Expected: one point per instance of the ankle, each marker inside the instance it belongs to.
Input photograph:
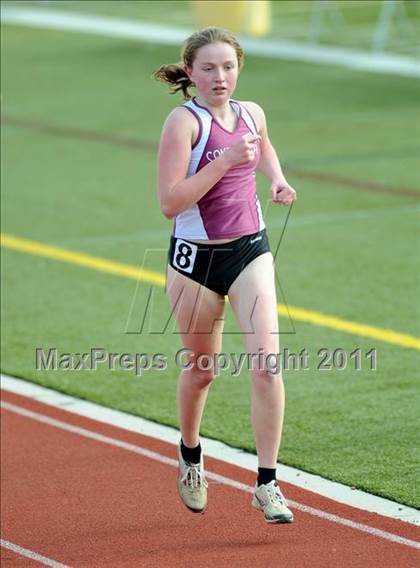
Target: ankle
(265, 475)
(191, 455)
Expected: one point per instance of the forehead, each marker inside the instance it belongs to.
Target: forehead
(215, 53)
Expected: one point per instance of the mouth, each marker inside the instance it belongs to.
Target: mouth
(219, 90)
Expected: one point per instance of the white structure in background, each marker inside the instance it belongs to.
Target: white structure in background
(327, 16)
(137, 30)
(391, 10)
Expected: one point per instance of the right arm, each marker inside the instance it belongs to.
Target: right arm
(177, 192)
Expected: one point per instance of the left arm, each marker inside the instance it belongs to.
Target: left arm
(269, 165)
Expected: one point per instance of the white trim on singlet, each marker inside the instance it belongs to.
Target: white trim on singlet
(189, 224)
(260, 215)
(205, 120)
(249, 121)
(247, 118)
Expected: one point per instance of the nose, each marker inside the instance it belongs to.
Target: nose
(220, 75)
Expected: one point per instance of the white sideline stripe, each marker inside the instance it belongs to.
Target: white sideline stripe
(215, 477)
(213, 448)
(170, 35)
(275, 223)
(32, 555)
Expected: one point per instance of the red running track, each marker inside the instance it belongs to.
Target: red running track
(83, 502)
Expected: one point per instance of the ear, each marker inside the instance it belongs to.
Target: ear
(188, 71)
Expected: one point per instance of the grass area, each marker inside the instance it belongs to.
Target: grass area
(347, 251)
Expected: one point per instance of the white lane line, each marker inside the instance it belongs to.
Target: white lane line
(214, 448)
(170, 35)
(215, 477)
(375, 213)
(32, 555)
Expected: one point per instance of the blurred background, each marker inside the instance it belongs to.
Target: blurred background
(81, 120)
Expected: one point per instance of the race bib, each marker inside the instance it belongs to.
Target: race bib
(184, 255)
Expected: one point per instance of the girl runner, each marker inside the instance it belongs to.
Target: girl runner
(209, 150)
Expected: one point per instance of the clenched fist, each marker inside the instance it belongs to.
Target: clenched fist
(282, 193)
(243, 151)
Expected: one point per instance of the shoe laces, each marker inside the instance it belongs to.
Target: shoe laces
(274, 494)
(193, 477)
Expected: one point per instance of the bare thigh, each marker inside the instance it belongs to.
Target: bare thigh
(254, 303)
(198, 312)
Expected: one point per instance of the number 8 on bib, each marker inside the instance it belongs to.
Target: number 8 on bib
(184, 255)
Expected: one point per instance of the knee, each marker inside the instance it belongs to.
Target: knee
(201, 378)
(201, 370)
(265, 379)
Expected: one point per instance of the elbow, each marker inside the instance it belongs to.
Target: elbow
(169, 215)
(167, 211)
(166, 203)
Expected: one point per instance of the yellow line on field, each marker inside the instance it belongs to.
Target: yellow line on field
(364, 330)
(81, 259)
(129, 271)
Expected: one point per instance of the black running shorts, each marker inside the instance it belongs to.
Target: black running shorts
(216, 266)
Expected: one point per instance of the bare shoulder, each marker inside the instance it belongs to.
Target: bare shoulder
(182, 122)
(256, 112)
(179, 116)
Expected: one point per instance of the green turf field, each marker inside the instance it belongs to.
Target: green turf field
(349, 251)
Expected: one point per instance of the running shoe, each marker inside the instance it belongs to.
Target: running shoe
(269, 498)
(192, 485)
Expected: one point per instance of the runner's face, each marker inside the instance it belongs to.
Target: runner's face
(215, 72)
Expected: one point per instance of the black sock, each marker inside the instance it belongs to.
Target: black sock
(265, 475)
(191, 455)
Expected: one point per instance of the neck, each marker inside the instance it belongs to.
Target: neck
(220, 110)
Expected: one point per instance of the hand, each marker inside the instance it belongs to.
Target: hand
(243, 151)
(282, 193)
